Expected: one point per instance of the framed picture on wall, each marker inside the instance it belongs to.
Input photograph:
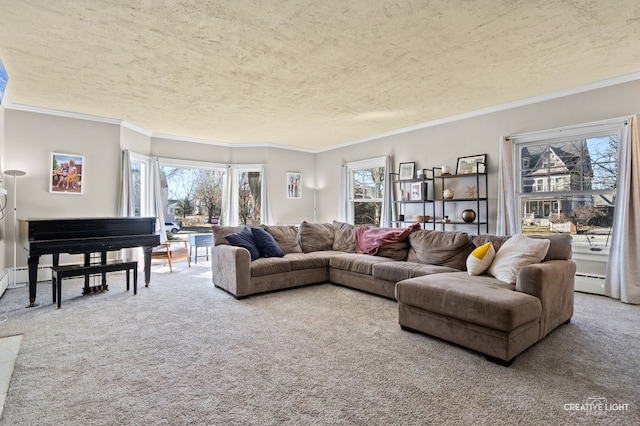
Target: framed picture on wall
(294, 185)
(66, 173)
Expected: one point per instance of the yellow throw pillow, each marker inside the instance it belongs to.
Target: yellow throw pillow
(480, 259)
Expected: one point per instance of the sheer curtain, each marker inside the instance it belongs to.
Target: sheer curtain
(385, 216)
(342, 194)
(125, 203)
(623, 269)
(506, 223)
(267, 218)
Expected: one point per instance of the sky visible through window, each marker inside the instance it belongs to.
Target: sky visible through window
(3, 80)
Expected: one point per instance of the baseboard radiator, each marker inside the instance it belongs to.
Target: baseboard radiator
(589, 283)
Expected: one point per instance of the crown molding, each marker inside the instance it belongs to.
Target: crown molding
(497, 108)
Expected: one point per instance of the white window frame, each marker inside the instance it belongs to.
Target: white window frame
(204, 165)
(358, 165)
(233, 208)
(145, 182)
(583, 131)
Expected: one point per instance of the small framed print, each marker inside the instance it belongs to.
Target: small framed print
(417, 191)
(472, 164)
(407, 171)
(66, 173)
(294, 185)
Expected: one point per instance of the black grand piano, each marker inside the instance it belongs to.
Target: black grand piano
(85, 236)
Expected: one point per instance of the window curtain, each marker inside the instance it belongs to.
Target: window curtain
(267, 218)
(342, 194)
(126, 207)
(506, 223)
(157, 208)
(228, 199)
(385, 216)
(125, 202)
(623, 268)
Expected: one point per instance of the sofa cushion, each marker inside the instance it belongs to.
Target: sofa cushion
(344, 237)
(270, 265)
(286, 236)
(496, 240)
(317, 259)
(559, 249)
(244, 239)
(480, 259)
(355, 262)
(266, 243)
(518, 252)
(442, 248)
(482, 300)
(398, 271)
(315, 236)
(395, 251)
(219, 232)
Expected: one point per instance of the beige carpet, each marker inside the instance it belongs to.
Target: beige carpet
(183, 352)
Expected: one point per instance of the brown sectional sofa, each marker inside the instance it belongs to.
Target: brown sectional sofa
(426, 274)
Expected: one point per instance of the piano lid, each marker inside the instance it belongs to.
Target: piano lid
(95, 227)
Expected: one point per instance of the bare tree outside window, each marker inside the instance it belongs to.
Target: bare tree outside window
(367, 194)
(192, 196)
(249, 189)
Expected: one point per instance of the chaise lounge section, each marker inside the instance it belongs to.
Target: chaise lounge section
(426, 273)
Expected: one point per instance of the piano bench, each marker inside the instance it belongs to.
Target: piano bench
(60, 272)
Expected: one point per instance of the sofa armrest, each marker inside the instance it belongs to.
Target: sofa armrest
(553, 283)
(231, 269)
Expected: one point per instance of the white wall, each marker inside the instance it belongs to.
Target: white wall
(30, 138)
(443, 144)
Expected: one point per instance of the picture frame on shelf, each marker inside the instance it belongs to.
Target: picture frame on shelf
(406, 171)
(471, 164)
(417, 191)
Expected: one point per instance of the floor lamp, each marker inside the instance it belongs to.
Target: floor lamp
(15, 174)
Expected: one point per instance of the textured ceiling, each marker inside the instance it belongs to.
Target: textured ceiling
(305, 73)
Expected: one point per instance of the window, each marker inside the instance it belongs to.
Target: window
(193, 193)
(366, 191)
(140, 173)
(569, 186)
(565, 183)
(248, 195)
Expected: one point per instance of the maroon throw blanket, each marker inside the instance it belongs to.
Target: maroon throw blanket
(370, 238)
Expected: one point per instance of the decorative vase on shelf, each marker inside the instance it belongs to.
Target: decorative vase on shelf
(447, 194)
(446, 170)
(468, 215)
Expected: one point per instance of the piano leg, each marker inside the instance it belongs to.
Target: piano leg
(147, 265)
(33, 278)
